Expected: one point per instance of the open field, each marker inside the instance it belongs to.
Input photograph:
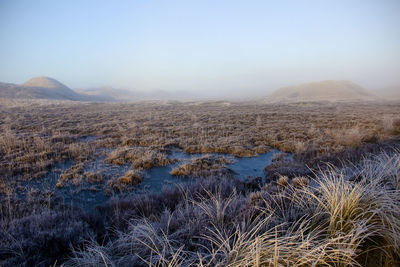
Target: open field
(289, 217)
(34, 137)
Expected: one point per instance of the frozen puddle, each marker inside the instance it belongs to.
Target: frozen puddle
(88, 195)
(252, 166)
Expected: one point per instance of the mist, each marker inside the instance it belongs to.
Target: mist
(221, 50)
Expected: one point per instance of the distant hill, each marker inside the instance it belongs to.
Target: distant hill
(45, 82)
(109, 93)
(332, 91)
(390, 93)
(114, 94)
(48, 88)
(39, 88)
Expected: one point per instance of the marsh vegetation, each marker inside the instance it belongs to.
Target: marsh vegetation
(165, 183)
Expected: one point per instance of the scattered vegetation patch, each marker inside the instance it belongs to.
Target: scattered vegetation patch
(205, 166)
(94, 177)
(125, 182)
(140, 157)
(75, 175)
(282, 165)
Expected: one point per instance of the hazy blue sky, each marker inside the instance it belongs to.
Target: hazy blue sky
(213, 46)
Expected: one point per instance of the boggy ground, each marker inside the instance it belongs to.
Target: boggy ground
(345, 215)
(168, 227)
(35, 137)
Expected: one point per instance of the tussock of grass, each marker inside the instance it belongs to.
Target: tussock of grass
(92, 255)
(125, 182)
(140, 157)
(206, 166)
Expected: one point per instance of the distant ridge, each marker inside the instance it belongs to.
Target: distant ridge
(110, 93)
(390, 93)
(331, 90)
(42, 87)
(45, 82)
(51, 88)
(115, 94)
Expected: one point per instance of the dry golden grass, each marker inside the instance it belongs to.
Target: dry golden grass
(283, 181)
(300, 182)
(205, 166)
(125, 182)
(140, 157)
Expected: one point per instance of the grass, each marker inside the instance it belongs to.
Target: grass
(205, 166)
(331, 222)
(125, 182)
(344, 213)
(140, 157)
(35, 137)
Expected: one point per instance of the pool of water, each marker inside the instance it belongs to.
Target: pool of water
(252, 166)
(88, 195)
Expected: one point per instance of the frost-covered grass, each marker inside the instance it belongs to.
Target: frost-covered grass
(331, 222)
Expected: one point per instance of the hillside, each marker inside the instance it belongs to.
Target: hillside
(47, 88)
(45, 82)
(332, 91)
(390, 93)
(39, 88)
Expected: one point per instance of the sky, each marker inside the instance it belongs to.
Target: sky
(192, 46)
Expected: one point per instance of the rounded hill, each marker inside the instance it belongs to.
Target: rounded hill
(321, 91)
(45, 82)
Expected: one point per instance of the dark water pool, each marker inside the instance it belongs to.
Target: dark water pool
(89, 195)
(252, 166)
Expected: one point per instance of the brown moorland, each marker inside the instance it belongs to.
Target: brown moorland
(341, 213)
(35, 137)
